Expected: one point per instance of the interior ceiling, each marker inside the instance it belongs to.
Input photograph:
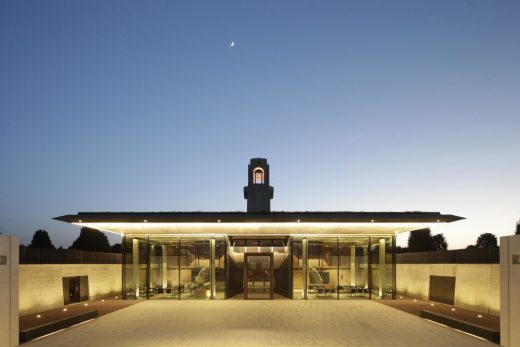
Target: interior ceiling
(265, 229)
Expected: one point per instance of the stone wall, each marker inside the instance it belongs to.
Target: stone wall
(41, 285)
(8, 291)
(477, 286)
(510, 291)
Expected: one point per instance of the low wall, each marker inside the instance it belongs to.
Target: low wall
(477, 286)
(41, 286)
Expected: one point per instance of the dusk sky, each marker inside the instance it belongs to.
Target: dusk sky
(358, 106)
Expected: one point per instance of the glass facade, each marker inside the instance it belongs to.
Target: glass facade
(174, 267)
(183, 267)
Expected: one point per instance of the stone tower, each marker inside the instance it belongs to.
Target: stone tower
(258, 192)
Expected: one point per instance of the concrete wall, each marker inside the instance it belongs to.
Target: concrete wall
(41, 286)
(510, 291)
(477, 286)
(8, 291)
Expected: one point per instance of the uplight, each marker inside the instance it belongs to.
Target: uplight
(64, 310)
(38, 316)
(86, 304)
(453, 309)
(479, 316)
(146, 221)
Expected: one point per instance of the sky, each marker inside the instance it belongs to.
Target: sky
(358, 106)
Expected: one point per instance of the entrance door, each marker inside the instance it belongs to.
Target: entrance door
(258, 276)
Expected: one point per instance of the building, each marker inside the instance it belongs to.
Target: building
(258, 254)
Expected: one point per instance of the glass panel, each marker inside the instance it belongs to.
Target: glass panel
(258, 277)
(322, 268)
(353, 266)
(195, 269)
(135, 253)
(297, 269)
(220, 268)
(164, 268)
(381, 266)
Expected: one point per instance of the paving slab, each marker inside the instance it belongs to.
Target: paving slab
(259, 323)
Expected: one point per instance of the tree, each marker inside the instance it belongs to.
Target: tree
(41, 239)
(440, 242)
(486, 240)
(116, 248)
(420, 241)
(517, 231)
(91, 240)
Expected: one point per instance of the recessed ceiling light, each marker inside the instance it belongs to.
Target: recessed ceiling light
(64, 310)
(371, 221)
(479, 316)
(86, 304)
(80, 221)
(453, 309)
(146, 221)
(438, 220)
(218, 220)
(38, 316)
(298, 220)
(432, 304)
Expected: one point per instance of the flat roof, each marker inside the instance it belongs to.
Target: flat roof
(270, 217)
(244, 223)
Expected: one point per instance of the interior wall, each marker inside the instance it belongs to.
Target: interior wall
(477, 286)
(41, 285)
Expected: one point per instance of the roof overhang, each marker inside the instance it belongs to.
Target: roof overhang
(242, 223)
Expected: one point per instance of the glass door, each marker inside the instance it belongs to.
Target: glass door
(258, 276)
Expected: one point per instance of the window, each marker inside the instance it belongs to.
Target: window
(258, 176)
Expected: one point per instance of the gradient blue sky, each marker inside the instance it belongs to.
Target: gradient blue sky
(369, 105)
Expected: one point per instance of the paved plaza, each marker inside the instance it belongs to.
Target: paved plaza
(259, 323)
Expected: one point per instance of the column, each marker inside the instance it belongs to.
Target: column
(164, 268)
(366, 264)
(381, 266)
(304, 267)
(212, 269)
(353, 265)
(135, 265)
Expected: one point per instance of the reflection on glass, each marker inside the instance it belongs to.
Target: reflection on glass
(297, 268)
(135, 285)
(322, 268)
(381, 267)
(353, 268)
(164, 268)
(220, 269)
(258, 281)
(195, 282)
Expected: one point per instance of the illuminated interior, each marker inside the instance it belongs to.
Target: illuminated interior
(275, 255)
